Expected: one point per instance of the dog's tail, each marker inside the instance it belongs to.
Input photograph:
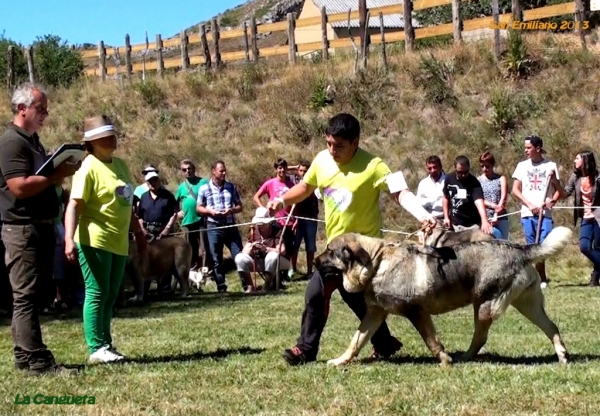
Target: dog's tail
(553, 244)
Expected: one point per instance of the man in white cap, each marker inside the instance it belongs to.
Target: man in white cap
(143, 188)
(262, 249)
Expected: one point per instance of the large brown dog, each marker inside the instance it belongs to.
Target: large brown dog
(165, 257)
(417, 282)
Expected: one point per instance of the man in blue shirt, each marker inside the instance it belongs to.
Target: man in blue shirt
(219, 200)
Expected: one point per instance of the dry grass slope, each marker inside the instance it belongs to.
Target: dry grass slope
(446, 101)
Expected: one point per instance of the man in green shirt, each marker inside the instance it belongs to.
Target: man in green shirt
(192, 223)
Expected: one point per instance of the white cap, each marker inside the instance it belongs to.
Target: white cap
(150, 175)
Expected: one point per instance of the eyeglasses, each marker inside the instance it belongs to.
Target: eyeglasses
(187, 169)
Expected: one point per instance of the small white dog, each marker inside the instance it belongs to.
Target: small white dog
(199, 277)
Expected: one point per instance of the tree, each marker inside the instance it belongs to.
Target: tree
(20, 62)
(56, 64)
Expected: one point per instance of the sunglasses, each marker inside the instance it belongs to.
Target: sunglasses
(187, 169)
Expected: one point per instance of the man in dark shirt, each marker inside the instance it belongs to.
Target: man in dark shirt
(305, 229)
(463, 199)
(157, 210)
(28, 205)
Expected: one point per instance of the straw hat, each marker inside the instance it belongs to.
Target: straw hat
(97, 127)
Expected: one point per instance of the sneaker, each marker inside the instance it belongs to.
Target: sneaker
(295, 356)
(104, 355)
(544, 285)
(115, 351)
(54, 370)
(394, 346)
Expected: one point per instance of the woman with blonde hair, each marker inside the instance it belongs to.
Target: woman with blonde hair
(495, 193)
(97, 220)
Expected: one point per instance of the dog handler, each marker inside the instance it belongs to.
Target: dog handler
(97, 219)
(350, 180)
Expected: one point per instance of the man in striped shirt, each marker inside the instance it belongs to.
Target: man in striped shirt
(219, 201)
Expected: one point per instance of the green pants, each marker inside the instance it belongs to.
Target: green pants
(102, 273)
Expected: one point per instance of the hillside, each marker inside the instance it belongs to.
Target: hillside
(457, 100)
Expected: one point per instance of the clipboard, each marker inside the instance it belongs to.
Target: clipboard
(64, 152)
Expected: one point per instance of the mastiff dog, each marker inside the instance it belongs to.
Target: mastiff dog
(167, 256)
(418, 282)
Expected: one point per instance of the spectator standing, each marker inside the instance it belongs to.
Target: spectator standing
(495, 193)
(98, 219)
(219, 200)
(193, 224)
(157, 209)
(28, 207)
(533, 182)
(305, 229)
(430, 189)
(463, 199)
(584, 184)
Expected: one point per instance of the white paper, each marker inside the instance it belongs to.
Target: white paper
(461, 193)
(396, 182)
(594, 5)
(75, 155)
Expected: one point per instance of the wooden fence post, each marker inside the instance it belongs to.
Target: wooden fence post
(246, 46)
(517, 12)
(580, 18)
(325, 50)
(253, 40)
(30, 67)
(292, 37)
(205, 49)
(364, 43)
(496, 16)
(185, 58)
(128, 66)
(456, 21)
(383, 52)
(409, 32)
(10, 75)
(214, 29)
(160, 65)
(102, 60)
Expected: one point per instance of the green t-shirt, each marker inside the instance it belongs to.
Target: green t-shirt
(140, 190)
(187, 196)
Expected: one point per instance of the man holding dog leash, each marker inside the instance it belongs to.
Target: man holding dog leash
(350, 180)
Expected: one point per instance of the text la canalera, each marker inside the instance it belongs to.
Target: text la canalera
(49, 399)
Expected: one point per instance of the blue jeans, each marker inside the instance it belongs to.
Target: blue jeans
(530, 227)
(307, 231)
(501, 229)
(589, 241)
(217, 239)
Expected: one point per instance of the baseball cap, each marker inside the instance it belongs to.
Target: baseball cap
(150, 175)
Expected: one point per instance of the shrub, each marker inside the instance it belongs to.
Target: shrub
(55, 63)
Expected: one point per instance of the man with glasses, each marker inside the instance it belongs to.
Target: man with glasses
(463, 201)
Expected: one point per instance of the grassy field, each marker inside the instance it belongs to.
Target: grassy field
(221, 354)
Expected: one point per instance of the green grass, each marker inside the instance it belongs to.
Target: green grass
(221, 354)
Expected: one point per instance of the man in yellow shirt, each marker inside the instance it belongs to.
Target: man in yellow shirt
(350, 181)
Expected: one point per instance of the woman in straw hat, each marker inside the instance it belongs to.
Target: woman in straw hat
(98, 216)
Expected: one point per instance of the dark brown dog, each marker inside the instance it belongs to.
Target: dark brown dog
(164, 257)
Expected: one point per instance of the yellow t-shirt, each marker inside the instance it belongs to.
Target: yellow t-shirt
(350, 192)
(107, 190)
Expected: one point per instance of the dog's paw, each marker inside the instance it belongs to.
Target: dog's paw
(445, 359)
(337, 362)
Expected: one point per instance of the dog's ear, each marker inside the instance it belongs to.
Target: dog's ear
(353, 251)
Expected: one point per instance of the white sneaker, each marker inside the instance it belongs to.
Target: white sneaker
(103, 355)
(115, 351)
(543, 285)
